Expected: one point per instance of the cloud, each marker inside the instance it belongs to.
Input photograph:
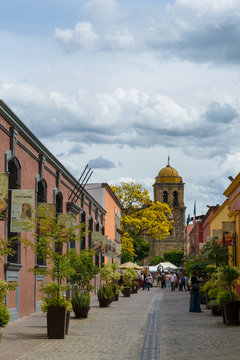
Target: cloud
(125, 118)
(82, 36)
(221, 113)
(101, 163)
(199, 31)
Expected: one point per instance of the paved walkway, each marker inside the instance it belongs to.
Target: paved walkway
(148, 325)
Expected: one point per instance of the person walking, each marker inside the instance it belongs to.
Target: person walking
(148, 281)
(194, 305)
(167, 279)
(172, 281)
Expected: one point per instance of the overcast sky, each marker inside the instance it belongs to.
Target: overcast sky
(122, 84)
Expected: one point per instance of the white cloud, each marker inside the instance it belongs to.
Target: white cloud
(82, 36)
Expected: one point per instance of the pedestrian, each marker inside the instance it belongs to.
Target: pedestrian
(148, 281)
(163, 281)
(172, 281)
(194, 305)
(167, 279)
(183, 282)
(158, 280)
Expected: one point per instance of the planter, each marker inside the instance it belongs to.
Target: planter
(215, 310)
(81, 312)
(56, 322)
(126, 292)
(231, 312)
(67, 322)
(104, 302)
(116, 297)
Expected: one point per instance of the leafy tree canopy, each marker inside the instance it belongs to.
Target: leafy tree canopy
(215, 253)
(126, 256)
(156, 260)
(174, 256)
(142, 216)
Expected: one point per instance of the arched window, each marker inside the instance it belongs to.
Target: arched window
(42, 191)
(165, 197)
(175, 198)
(83, 238)
(97, 226)
(90, 229)
(59, 203)
(14, 169)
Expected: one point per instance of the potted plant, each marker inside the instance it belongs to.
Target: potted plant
(213, 304)
(53, 235)
(128, 277)
(81, 303)
(56, 307)
(105, 295)
(84, 272)
(227, 276)
(109, 273)
(116, 290)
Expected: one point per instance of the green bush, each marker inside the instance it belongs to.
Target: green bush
(105, 292)
(213, 293)
(4, 316)
(80, 298)
(225, 295)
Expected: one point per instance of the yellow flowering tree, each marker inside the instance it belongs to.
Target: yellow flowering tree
(141, 216)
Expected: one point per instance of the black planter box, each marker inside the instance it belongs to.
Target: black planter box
(56, 322)
(230, 312)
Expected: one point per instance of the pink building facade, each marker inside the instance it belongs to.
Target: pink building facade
(30, 168)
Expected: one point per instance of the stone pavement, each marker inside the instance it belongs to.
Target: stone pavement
(148, 325)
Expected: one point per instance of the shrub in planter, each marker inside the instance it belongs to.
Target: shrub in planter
(56, 307)
(215, 307)
(116, 291)
(105, 295)
(228, 306)
(80, 303)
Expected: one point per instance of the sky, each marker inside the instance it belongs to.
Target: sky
(121, 85)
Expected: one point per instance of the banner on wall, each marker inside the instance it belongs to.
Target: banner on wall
(22, 207)
(229, 239)
(103, 245)
(4, 186)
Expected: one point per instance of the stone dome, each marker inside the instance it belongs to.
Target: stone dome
(168, 171)
(168, 175)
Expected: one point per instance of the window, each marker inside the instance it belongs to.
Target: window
(97, 226)
(59, 203)
(165, 197)
(97, 263)
(175, 198)
(41, 198)
(14, 169)
(90, 229)
(82, 237)
(42, 191)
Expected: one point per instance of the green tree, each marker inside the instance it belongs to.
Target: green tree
(215, 253)
(156, 260)
(142, 216)
(126, 257)
(174, 256)
(84, 268)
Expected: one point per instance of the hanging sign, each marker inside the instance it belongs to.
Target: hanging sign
(22, 207)
(4, 185)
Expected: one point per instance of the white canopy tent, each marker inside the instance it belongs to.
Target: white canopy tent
(166, 265)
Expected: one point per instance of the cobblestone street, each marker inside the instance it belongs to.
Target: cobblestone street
(148, 325)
